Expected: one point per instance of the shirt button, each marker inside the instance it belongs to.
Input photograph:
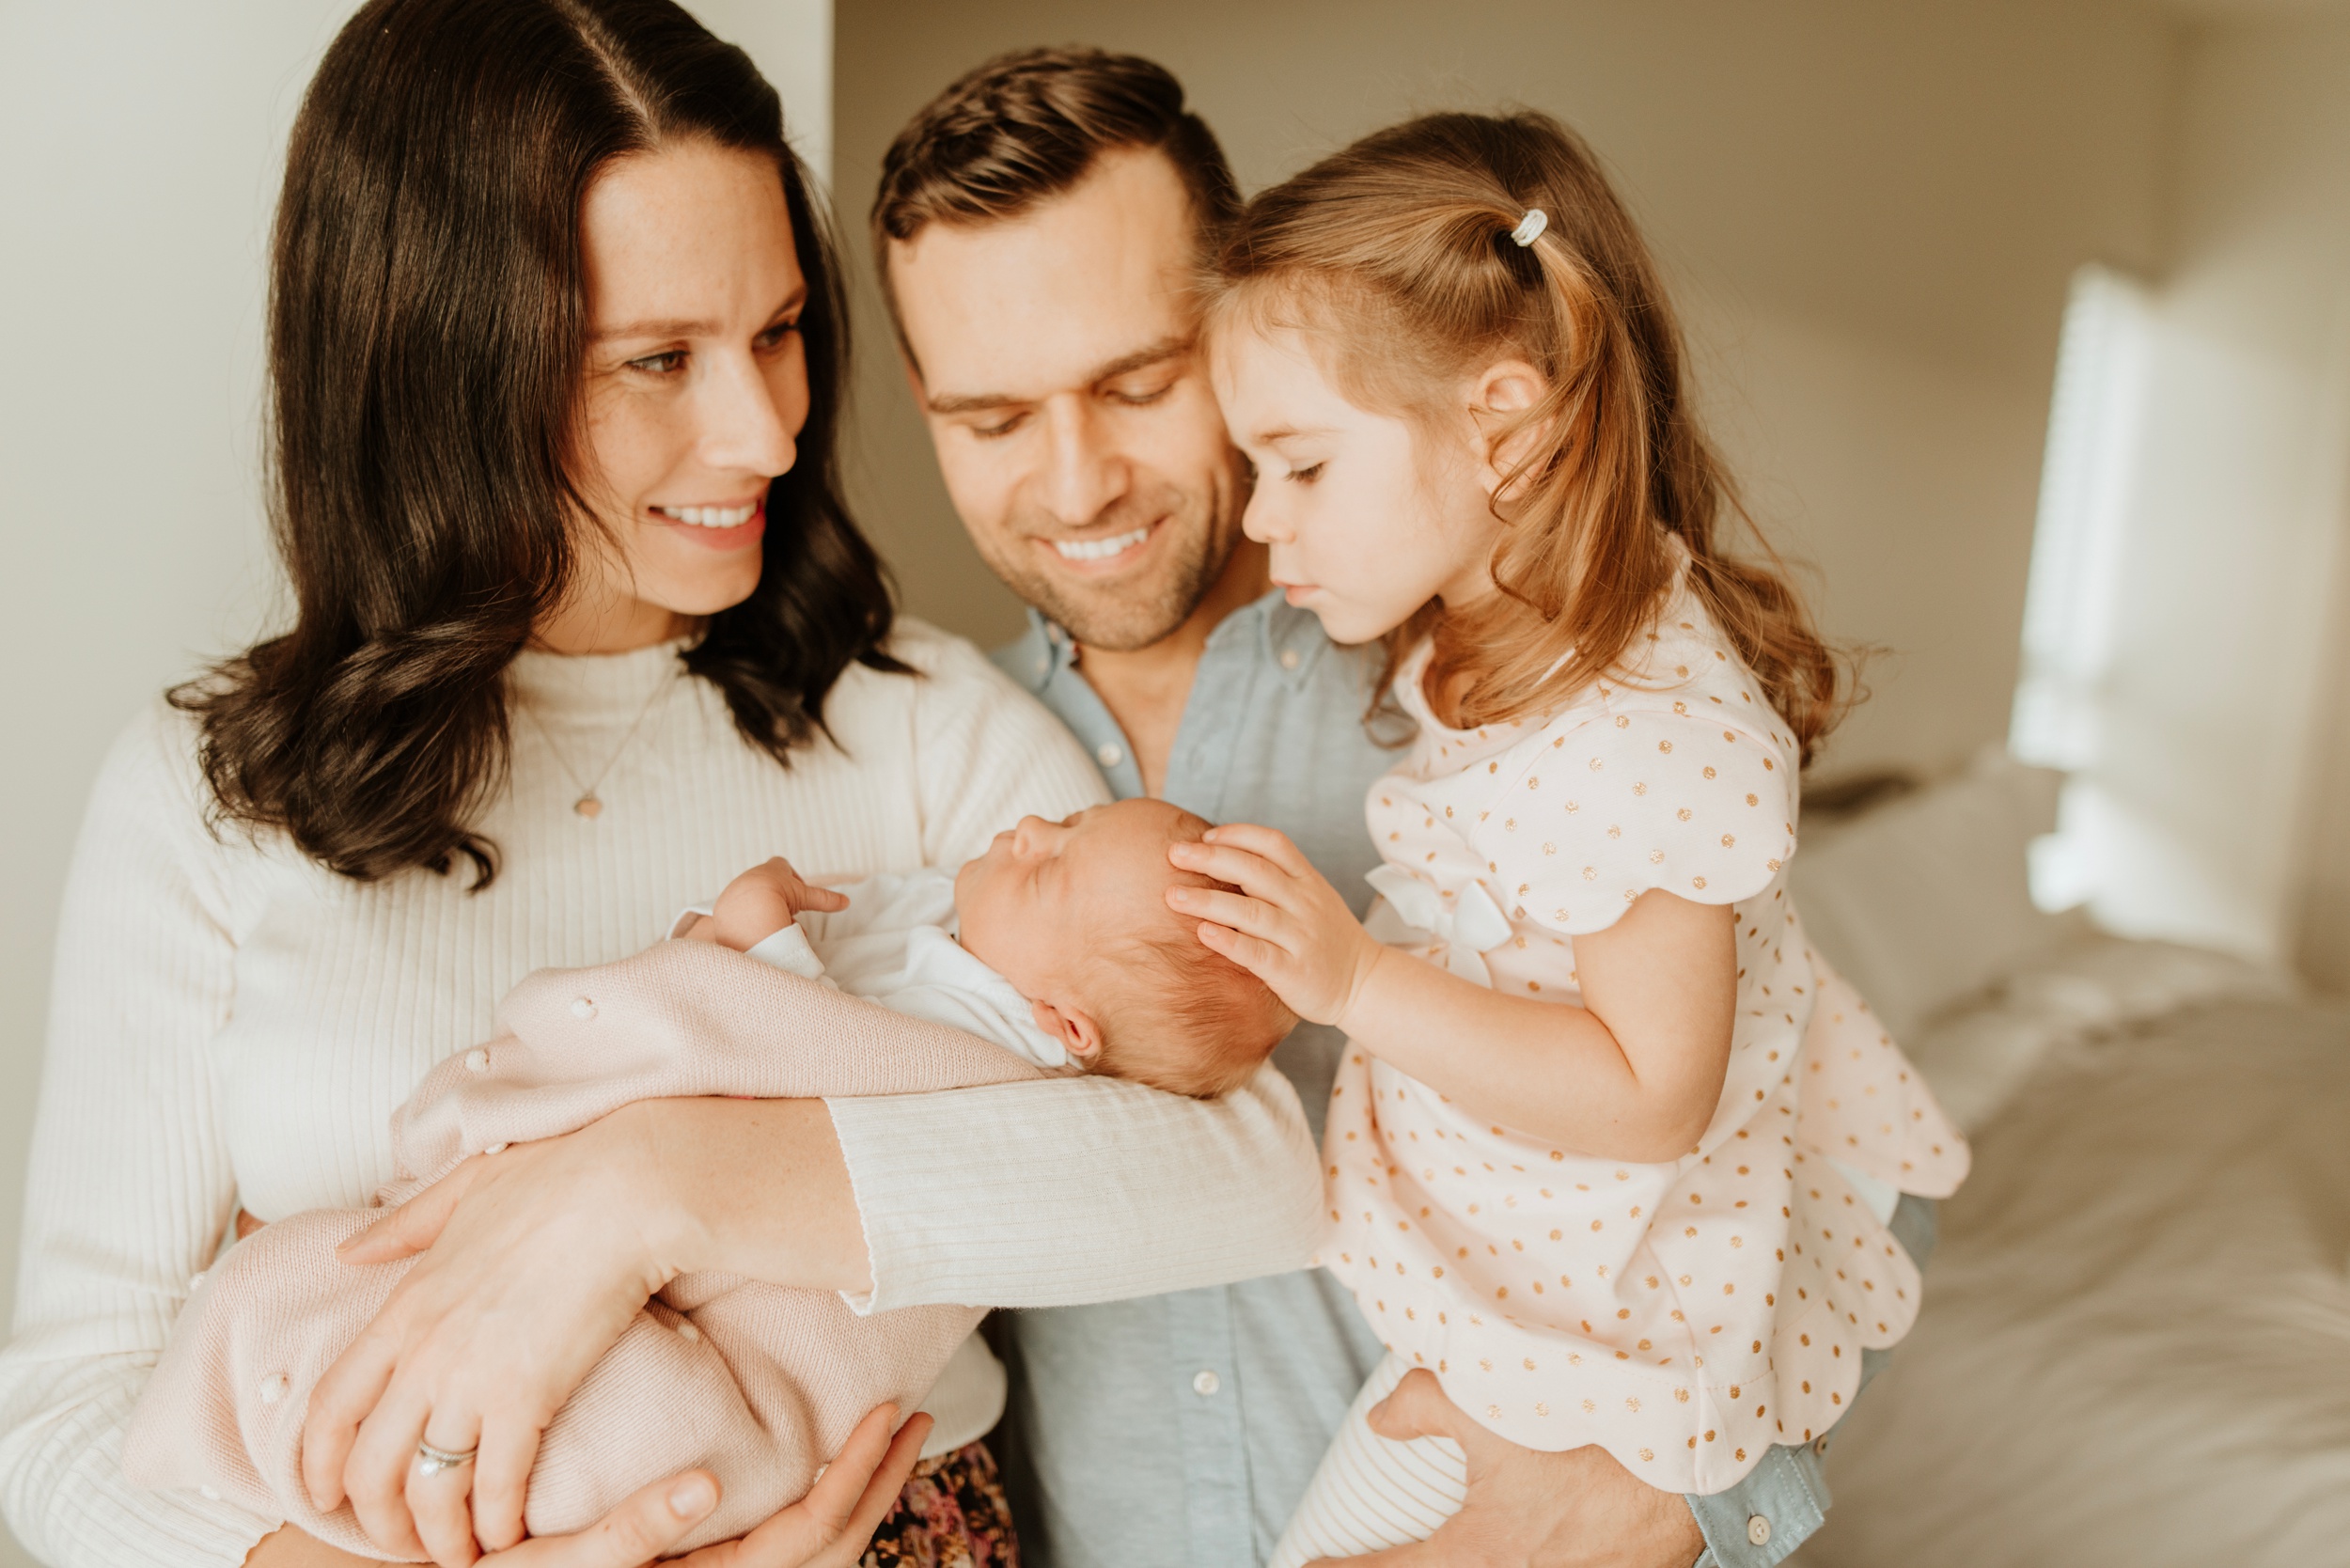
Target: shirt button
(687, 1332)
(1205, 1383)
(1289, 658)
(210, 1494)
(1820, 1447)
(1759, 1530)
(1110, 754)
(477, 1061)
(273, 1387)
(583, 1008)
(496, 1149)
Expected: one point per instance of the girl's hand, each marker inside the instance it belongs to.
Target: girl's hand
(1287, 926)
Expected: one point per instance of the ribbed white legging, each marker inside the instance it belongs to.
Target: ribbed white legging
(1371, 1491)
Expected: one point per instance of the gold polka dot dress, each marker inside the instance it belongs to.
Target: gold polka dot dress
(1685, 1316)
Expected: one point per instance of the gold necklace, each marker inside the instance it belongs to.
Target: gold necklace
(589, 804)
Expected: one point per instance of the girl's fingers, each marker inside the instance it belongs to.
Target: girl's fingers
(1270, 842)
(1244, 868)
(1241, 912)
(1255, 954)
(501, 1479)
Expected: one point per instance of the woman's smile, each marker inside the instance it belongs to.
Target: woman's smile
(717, 527)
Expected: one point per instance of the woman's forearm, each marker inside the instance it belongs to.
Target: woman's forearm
(756, 1188)
(1076, 1190)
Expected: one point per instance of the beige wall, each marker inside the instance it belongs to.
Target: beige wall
(1872, 210)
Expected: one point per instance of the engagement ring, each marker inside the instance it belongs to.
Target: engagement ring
(432, 1461)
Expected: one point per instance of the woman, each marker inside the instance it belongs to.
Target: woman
(582, 629)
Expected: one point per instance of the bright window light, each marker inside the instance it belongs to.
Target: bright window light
(2104, 363)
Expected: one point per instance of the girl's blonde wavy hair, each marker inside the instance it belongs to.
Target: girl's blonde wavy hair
(1395, 257)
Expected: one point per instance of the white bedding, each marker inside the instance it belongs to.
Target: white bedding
(2135, 1343)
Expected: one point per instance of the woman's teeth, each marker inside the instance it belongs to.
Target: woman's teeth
(712, 517)
(1100, 549)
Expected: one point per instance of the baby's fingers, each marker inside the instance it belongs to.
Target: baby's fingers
(813, 896)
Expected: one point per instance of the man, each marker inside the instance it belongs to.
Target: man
(1036, 229)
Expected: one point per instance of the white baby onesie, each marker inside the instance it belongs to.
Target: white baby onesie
(895, 945)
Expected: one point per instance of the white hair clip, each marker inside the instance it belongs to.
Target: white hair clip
(1531, 227)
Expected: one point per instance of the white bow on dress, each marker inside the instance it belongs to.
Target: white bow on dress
(1462, 925)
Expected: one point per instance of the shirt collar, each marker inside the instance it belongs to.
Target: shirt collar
(1285, 637)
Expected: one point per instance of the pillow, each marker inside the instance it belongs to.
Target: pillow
(1977, 1057)
(1925, 902)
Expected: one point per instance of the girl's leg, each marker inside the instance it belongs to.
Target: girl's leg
(1371, 1491)
(952, 1514)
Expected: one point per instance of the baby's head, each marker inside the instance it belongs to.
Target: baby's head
(1074, 914)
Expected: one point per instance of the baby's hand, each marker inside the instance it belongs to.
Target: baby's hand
(764, 899)
(1287, 926)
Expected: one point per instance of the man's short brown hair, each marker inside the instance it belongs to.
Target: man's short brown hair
(1028, 125)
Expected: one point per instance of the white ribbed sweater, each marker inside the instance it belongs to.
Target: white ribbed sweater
(233, 1025)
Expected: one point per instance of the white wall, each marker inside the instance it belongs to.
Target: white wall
(141, 143)
(136, 180)
(2208, 774)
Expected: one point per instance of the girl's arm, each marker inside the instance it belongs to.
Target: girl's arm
(1634, 1073)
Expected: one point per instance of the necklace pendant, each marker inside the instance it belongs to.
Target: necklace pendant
(588, 806)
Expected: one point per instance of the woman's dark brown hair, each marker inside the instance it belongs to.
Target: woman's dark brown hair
(427, 328)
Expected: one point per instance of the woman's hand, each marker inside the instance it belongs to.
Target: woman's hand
(539, 1258)
(827, 1528)
(549, 1250)
(1287, 926)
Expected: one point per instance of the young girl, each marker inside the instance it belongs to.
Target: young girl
(1613, 1150)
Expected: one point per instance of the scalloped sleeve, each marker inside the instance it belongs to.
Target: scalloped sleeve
(1630, 801)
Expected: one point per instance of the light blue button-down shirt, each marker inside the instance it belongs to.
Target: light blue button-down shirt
(1180, 1431)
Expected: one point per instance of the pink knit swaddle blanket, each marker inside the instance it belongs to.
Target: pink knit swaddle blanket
(758, 1384)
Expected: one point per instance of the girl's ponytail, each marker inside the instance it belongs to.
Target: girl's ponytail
(1401, 255)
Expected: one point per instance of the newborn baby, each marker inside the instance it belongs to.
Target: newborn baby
(1055, 948)
(1057, 944)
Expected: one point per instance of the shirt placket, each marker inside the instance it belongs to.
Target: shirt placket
(1088, 717)
(1204, 1371)
(1221, 689)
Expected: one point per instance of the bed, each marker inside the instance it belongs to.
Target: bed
(2136, 1341)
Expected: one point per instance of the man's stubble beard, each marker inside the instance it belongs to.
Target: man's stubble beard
(1133, 616)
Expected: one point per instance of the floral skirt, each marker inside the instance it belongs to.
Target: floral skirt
(952, 1514)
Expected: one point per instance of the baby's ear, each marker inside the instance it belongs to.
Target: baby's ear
(1077, 1031)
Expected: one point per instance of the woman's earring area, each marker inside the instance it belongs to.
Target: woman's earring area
(432, 1460)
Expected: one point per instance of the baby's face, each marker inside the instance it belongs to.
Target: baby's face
(1049, 901)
